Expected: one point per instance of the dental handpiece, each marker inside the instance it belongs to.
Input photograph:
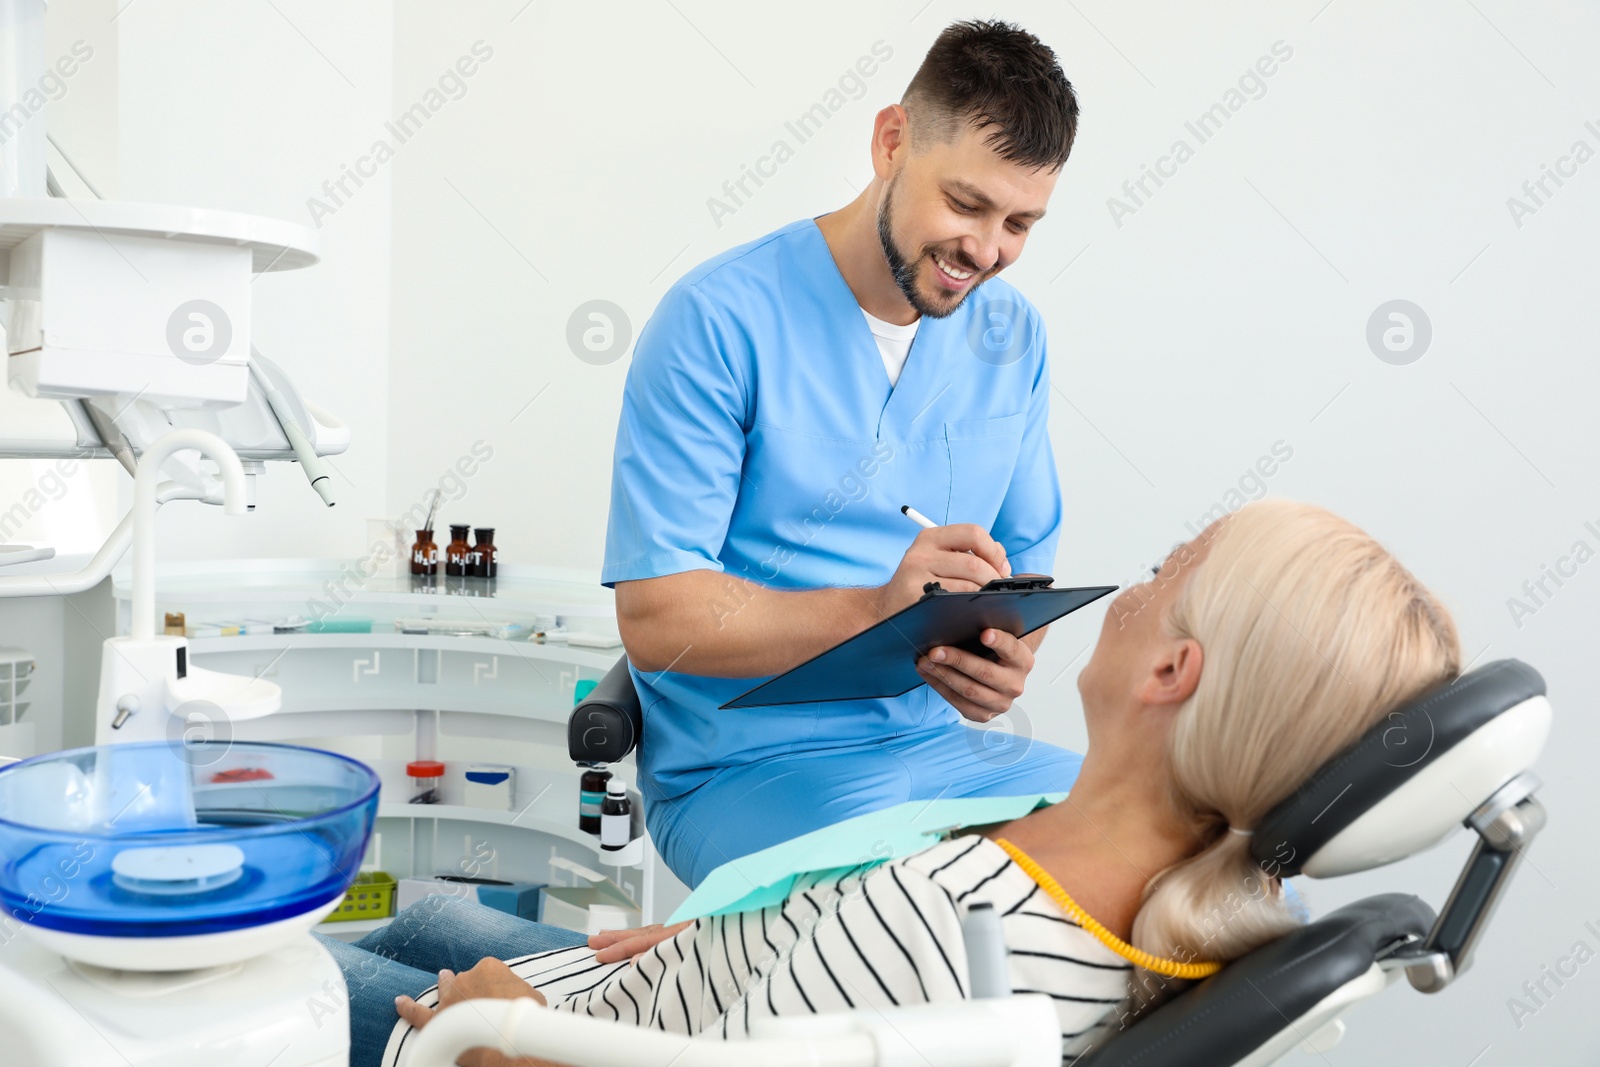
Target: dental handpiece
(304, 452)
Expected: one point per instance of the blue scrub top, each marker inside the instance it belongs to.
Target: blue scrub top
(759, 436)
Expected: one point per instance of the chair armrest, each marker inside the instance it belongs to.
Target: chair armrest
(606, 725)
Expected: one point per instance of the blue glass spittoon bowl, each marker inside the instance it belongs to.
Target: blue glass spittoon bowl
(171, 856)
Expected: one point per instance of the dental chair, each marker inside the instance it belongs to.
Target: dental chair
(1461, 755)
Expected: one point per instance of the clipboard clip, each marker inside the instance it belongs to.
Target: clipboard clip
(1015, 583)
(1020, 583)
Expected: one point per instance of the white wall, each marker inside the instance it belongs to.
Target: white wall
(1226, 313)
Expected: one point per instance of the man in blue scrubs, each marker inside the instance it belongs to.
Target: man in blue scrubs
(784, 401)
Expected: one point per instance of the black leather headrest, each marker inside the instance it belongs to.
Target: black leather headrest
(1252, 1000)
(1388, 755)
(606, 724)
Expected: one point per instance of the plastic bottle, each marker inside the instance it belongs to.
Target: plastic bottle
(457, 557)
(591, 795)
(484, 564)
(616, 816)
(426, 775)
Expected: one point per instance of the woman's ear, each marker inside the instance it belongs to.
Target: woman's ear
(1174, 674)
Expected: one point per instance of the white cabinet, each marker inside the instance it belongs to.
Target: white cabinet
(387, 698)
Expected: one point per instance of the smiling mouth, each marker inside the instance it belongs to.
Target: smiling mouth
(953, 276)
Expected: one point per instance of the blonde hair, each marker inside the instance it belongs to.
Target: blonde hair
(1311, 633)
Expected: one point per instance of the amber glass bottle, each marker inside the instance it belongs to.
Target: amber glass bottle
(425, 554)
(458, 556)
(592, 794)
(484, 564)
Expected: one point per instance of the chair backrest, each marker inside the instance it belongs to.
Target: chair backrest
(1460, 754)
(1411, 779)
(1263, 1004)
(606, 725)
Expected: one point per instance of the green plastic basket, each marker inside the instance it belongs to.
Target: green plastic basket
(370, 897)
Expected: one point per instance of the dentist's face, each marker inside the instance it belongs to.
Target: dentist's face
(956, 215)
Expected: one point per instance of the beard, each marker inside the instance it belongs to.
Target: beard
(904, 270)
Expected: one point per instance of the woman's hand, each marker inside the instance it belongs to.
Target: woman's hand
(613, 946)
(491, 979)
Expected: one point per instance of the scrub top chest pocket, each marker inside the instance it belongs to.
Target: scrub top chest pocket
(821, 511)
(983, 455)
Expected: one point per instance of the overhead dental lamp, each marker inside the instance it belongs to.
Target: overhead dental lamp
(133, 320)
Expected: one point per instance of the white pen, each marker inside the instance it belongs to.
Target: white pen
(926, 523)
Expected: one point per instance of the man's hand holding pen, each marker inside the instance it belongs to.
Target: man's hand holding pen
(962, 558)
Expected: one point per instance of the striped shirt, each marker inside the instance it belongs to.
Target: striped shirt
(880, 936)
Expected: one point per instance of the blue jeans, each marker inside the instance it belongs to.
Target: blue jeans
(748, 808)
(406, 956)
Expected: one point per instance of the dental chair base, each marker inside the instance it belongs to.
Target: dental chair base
(286, 1007)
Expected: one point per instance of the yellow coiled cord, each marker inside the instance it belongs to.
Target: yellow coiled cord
(1139, 958)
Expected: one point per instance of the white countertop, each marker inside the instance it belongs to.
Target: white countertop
(520, 589)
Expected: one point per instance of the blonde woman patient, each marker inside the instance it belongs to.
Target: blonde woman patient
(1252, 655)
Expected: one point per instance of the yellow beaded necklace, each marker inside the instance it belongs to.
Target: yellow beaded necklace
(1139, 958)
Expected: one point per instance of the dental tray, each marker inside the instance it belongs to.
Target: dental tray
(212, 846)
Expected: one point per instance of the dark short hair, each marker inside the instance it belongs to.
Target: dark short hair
(993, 75)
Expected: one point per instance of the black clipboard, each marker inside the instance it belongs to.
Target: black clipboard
(880, 661)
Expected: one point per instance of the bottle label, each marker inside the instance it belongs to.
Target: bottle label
(589, 803)
(614, 831)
